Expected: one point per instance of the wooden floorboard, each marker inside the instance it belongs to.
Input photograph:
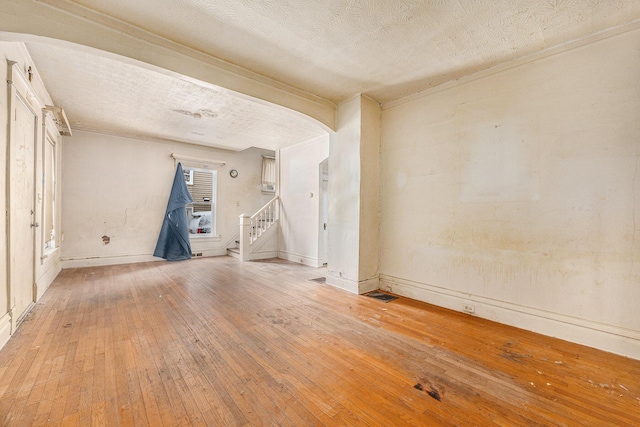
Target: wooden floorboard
(217, 342)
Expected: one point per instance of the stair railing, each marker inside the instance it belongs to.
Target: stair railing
(252, 227)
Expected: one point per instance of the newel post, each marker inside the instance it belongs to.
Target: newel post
(245, 232)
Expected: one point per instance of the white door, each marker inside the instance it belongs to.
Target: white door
(22, 224)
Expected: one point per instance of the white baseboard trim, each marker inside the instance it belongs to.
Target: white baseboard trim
(299, 258)
(368, 285)
(354, 286)
(263, 255)
(5, 329)
(614, 339)
(110, 260)
(207, 253)
(44, 281)
(342, 283)
(131, 259)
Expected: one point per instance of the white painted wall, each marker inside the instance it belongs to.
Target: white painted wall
(370, 193)
(119, 187)
(517, 192)
(344, 197)
(300, 201)
(353, 196)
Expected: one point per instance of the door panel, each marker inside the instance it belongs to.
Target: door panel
(22, 209)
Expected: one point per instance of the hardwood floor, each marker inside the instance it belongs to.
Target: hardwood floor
(218, 342)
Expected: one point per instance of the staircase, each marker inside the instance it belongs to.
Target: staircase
(258, 233)
(234, 251)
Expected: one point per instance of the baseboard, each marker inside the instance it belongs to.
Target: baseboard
(131, 259)
(299, 258)
(53, 268)
(354, 286)
(368, 285)
(111, 260)
(263, 255)
(625, 342)
(5, 329)
(208, 252)
(342, 283)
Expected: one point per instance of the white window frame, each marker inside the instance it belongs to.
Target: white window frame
(214, 204)
(49, 245)
(269, 174)
(188, 176)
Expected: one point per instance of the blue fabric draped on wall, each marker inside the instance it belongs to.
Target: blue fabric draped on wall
(173, 242)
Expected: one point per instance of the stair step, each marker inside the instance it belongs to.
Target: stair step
(234, 252)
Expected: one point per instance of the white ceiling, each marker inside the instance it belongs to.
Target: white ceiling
(334, 49)
(102, 93)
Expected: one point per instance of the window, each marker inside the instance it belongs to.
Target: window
(49, 195)
(188, 176)
(268, 174)
(201, 214)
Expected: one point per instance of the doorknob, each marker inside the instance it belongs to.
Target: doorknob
(34, 225)
(325, 225)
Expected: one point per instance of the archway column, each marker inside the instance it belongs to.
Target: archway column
(354, 197)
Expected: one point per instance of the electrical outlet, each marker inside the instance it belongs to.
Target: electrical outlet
(469, 308)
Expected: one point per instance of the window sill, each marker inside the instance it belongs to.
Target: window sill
(205, 238)
(47, 254)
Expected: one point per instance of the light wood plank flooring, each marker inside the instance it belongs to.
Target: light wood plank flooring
(217, 342)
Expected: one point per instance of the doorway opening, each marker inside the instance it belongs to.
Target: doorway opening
(323, 236)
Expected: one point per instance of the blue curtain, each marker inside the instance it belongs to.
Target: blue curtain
(173, 242)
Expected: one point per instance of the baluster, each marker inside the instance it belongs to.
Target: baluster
(261, 222)
(259, 226)
(253, 238)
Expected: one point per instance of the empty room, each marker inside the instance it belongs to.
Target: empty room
(320, 213)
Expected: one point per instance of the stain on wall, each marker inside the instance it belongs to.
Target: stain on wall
(519, 189)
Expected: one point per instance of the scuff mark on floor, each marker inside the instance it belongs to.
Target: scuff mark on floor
(430, 390)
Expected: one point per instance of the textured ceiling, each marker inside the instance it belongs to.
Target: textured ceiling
(334, 49)
(384, 48)
(101, 93)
